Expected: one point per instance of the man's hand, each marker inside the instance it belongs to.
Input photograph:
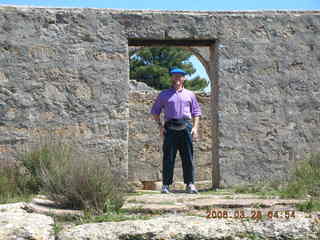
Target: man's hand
(162, 131)
(194, 133)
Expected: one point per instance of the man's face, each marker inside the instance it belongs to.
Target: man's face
(177, 79)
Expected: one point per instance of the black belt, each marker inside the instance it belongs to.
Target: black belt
(177, 124)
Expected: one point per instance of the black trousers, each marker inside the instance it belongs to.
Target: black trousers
(175, 140)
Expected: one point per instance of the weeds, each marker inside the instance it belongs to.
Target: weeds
(305, 179)
(67, 175)
(139, 193)
(88, 217)
(111, 217)
(79, 180)
(304, 182)
(216, 192)
(309, 206)
(13, 183)
(271, 188)
(136, 201)
(57, 227)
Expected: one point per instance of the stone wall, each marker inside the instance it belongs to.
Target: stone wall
(64, 69)
(269, 94)
(67, 69)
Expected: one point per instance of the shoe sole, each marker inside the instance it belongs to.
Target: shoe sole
(192, 191)
(165, 192)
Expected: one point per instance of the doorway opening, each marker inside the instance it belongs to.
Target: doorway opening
(145, 148)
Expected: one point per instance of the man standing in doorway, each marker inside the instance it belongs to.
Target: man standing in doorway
(180, 106)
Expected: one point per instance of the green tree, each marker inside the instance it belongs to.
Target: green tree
(151, 66)
(196, 84)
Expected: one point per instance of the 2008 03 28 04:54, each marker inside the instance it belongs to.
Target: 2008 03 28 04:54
(252, 214)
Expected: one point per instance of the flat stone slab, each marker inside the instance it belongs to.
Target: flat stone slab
(183, 216)
(153, 197)
(13, 207)
(186, 202)
(155, 208)
(25, 226)
(159, 198)
(193, 228)
(47, 207)
(240, 203)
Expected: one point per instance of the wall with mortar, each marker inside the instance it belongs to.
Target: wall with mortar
(67, 69)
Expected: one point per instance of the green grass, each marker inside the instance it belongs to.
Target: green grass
(305, 179)
(14, 184)
(217, 192)
(57, 227)
(121, 215)
(139, 193)
(251, 236)
(159, 203)
(262, 190)
(271, 188)
(5, 199)
(112, 217)
(136, 201)
(73, 178)
(309, 206)
(67, 175)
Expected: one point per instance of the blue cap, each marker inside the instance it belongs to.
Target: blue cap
(177, 71)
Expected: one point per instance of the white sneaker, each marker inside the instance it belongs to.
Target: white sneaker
(190, 188)
(165, 189)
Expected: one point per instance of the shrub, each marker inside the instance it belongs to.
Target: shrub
(32, 158)
(13, 185)
(8, 184)
(309, 206)
(305, 178)
(264, 188)
(74, 178)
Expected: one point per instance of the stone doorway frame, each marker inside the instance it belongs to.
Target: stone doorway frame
(209, 60)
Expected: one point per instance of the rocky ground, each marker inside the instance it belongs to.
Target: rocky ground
(173, 216)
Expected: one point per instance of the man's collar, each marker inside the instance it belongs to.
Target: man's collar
(173, 89)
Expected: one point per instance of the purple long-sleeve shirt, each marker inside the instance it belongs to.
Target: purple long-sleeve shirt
(176, 104)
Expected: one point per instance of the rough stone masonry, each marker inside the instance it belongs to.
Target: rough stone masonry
(68, 69)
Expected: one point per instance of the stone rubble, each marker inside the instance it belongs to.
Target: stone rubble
(25, 226)
(171, 218)
(192, 228)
